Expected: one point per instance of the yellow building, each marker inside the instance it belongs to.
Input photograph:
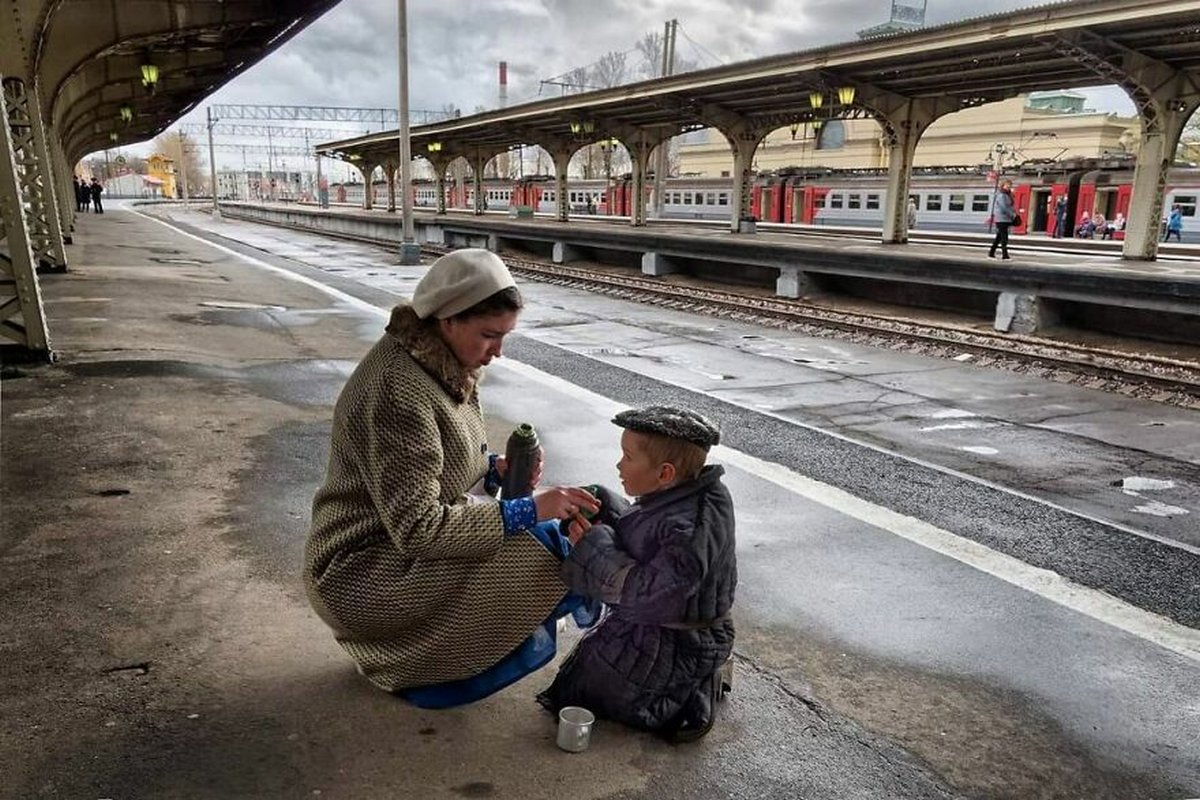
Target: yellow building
(163, 168)
(1044, 125)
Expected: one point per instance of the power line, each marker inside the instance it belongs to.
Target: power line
(697, 45)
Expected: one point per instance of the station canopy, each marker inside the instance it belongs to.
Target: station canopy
(955, 66)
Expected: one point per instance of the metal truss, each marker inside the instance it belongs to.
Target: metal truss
(262, 149)
(22, 205)
(33, 177)
(268, 131)
(383, 116)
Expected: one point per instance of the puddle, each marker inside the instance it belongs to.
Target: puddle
(1135, 484)
(960, 426)
(239, 306)
(982, 451)
(951, 413)
(1157, 509)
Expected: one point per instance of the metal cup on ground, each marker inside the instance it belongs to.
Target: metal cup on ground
(575, 728)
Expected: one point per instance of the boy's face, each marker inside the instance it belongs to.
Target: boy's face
(641, 475)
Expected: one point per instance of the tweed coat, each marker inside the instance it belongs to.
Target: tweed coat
(419, 585)
(667, 568)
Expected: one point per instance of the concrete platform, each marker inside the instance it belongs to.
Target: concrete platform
(156, 487)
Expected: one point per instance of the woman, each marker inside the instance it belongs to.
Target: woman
(1175, 224)
(1003, 214)
(423, 579)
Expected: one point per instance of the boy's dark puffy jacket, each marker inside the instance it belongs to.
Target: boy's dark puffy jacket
(666, 567)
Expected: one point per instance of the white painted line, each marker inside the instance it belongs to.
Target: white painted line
(1092, 603)
(1044, 583)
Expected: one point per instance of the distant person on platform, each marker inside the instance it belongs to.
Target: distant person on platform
(95, 190)
(1087, 228)
(1060, 218)
(83, 196)
(912, 214)
(323, 192)
(1175, 224)
(1004, 214)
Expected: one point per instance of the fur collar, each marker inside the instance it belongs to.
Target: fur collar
(420, 338)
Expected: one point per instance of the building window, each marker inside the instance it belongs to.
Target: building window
(933, 202)
(958, 202)
(833, 135)
(979, 202)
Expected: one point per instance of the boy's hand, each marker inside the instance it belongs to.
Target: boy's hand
(578, 528)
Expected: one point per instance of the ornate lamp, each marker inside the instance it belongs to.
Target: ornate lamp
(149, 75)
(816, 99)
(846, 95)
(126, 114)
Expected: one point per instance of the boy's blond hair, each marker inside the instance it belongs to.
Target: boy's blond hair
(687, 458)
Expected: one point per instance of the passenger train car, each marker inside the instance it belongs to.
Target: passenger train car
(946, 199)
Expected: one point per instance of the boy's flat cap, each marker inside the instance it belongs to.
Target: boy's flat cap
(677, 423)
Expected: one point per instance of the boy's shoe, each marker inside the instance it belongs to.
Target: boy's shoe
(726, 677)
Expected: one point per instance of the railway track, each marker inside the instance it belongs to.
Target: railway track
(1166, 380)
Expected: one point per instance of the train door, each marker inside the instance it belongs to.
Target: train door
(793, 203)
(1106, 201)
(1086, 203)
(1124, 197)
(1041, 210)
(1021, 200)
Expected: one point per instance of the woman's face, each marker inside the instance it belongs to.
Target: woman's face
(475, 341)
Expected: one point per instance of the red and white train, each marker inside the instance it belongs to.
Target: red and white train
(948, 199)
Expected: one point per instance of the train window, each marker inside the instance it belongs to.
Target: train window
(854, 201)
(687, 198)
(979, 202)
(835, 200)
(958, 202)
(1187, 204)
(873, 201)
(933, 202)
(723, 199)
(710, 199)
(819, 202)
(699, 198)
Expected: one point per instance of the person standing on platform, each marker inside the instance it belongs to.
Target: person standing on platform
(437, 591)
(1175, 224)
(82, 195)
(912, 214)
(1060, 218)
(1004, 214)
(96, 190)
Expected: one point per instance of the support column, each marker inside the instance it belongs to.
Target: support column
(561, 157)
(368, 171)
(744, 143)
(34, 178)
(639, 146)
(1024, 313)
(439, 183)
(478, 162)
(22, 316)
(65, 193)
(389, 172)
(901, 131)
(1156, 152)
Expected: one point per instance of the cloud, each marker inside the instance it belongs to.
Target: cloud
(349, 56)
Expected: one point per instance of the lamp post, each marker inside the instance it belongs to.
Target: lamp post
(212, 161)
(410, 251)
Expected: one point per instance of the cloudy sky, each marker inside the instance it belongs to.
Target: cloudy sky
(348, 57)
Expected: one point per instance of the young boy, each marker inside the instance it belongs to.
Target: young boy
(666, 567)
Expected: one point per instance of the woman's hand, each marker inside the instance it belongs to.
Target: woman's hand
(502, 467)
(563, 502)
